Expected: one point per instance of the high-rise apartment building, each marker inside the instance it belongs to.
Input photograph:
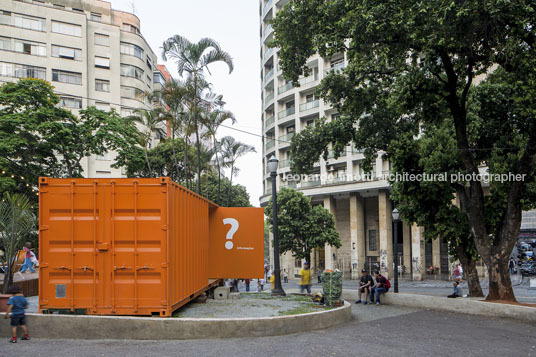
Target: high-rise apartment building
(359, 200)
(93, 56)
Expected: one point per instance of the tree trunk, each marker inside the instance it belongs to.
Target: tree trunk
(500, 284)
(219, 168)
(186, 176)
(469, 271)
(147, 160)
(230, 186)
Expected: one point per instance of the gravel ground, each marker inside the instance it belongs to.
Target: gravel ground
(249, 305)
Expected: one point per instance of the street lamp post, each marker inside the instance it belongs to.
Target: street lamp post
(396, 219)
(272, 167)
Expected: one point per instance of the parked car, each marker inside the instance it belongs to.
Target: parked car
(527, 268)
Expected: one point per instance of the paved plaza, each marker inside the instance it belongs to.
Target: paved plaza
(374, 331)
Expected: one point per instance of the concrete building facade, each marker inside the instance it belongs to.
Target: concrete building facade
(93, 56)
(359, 200)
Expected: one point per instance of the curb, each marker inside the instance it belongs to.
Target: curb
(459, 305)
(90, 327)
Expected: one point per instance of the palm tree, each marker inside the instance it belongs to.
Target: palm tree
(212, 121)
(194, 58)
(17, 220)
(232, 151)
(151, 121)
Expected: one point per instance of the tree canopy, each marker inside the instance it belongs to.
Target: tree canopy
(301, 225)
(420, 70)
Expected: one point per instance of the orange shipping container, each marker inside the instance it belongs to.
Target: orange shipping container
(135, 246)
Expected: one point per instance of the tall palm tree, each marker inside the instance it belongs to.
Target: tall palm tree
(232, 151)
(212, 121)
(194, 58)
(151, 120)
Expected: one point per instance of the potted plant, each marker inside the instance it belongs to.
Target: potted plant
(17, 221)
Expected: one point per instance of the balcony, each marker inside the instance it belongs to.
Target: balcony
(338, 67)
(270, 144)
(284, 163)
(285, 88)
(269, 75)
(309, 105)
(285, 139)
(268, 53)
(268, 30)
(357, 151)
(269, 122)
(310, 183)
(331, 154)
(287, 112)
(309, 79)
(267, 7)
(269, 97)
(336, 180)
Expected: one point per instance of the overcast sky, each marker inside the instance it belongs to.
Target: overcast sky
(234, 24)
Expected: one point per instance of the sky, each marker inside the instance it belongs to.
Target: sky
(234, 24)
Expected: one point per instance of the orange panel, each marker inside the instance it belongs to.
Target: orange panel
(236, 243)
(136, 246)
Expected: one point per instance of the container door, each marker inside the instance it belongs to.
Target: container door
(69, 230)
(236, 249)
(138, 248)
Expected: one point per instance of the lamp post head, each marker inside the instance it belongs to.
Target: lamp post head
(273, 163)
(396, 215)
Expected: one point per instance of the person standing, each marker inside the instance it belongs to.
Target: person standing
(285, 276)
(305, 278)
(457, 274)
(319, 275)
(511, 265)
(28, 264)
(16, 305)
(365, 286)
(247, 282)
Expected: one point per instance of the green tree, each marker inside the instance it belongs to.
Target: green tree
(212, 121)
(233, 150)
(239, 194)
(412, 65)
(193, 59)
(302, 226)
(37, 138)
(151, 121)
(165, 159)
(17, 221)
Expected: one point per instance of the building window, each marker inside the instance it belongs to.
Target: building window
(148, 81)
(66, 52)
(66, 29)
(24, 71)
(78, 10)
(30, 22)
(30, 48)
(131, 28)
(5, 43)
(131, 92)
(158, 78)
(58, 6)
(102, 62)
(66, 77)
(6, 69)
(102, 40)
(102, 85)
(102, 106)
(372, 240)
(131, 50)
(71, 102)
(95, 16)
(149, 63)
(128, 70)
(5, 17)
(103, 174)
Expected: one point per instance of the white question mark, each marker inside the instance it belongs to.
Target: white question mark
(234, 227)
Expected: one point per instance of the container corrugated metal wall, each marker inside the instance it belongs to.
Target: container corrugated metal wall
(121, 246)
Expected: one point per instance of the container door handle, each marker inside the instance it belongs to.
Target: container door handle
(63, 268)
(145, 267)
(123, 267)
(85, 268)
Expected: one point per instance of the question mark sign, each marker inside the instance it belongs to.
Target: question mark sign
(234, 227)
